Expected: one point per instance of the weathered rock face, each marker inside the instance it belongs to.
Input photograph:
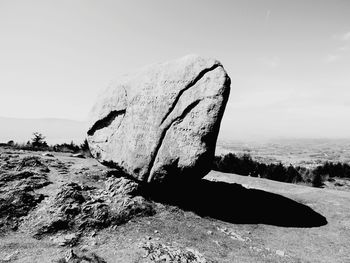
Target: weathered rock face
(161, 122)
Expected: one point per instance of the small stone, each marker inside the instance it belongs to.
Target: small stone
(84, 248)
(217, 242)
(47, 154)
(210, 232)
(93, 243)
(156, 231)
(64, 240)
(70, 255)
(78, 155)
(280, 253)
(11, 257)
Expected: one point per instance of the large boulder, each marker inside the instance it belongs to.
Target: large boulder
(161, 122)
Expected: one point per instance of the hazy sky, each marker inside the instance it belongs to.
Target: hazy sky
(289, 61)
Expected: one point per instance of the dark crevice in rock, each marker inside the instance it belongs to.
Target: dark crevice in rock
(105, 122)
(191, 84)
(119, 171)
(164, 132)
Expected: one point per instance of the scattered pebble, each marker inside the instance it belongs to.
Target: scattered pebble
(216, 242)
(78, 155)
(280, 253)
(10, 257)
(233, 235)
(48, 155)
(158, 252)
(64, 240)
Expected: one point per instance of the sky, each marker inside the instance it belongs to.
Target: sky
(289, 61)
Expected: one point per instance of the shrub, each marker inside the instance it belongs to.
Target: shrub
(84, 147)
(317, 181)
(66, 147)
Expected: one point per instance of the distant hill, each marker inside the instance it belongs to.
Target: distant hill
(55, 130)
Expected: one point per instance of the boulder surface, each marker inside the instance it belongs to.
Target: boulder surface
(162, 122)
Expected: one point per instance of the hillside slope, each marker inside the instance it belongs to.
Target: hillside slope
(222, 218)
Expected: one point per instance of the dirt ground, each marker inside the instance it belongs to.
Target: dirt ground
(222, 218)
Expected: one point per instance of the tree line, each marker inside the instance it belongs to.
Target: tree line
(245, 165)
(38, 143)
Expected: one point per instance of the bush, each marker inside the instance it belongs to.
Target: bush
(85, 148)
(66, 147)
(293, 175)
(317, 181)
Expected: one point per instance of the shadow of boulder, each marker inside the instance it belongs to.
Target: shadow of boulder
(235, 204)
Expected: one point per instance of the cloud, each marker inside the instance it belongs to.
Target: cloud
(267, 17)
(345, 36)
(271, 62)
(343, 48)
(331, 58)
(342, 36)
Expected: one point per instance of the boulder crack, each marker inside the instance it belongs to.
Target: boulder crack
(105, 122)
(164, 132)
(188, 86)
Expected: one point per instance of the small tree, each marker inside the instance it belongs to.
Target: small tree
(85, 145)
(85, 148)
(38, 140)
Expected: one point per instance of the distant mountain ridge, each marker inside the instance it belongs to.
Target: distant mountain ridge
(55, 130)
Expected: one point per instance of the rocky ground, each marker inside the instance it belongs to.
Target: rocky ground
(59, 208)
